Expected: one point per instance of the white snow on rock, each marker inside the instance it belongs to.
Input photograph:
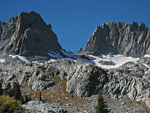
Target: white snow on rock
(54, 55)
(75, 57)
(70, 55)
(2, 60)
(147, 56)
(50, 61)
(24, 59)
(118, 60)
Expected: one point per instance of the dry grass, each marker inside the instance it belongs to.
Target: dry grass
(56, 93)
(130, 103)
(56, 79)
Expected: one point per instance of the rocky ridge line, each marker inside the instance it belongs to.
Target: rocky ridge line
(119, 38)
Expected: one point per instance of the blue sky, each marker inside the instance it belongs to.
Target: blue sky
(75, 20)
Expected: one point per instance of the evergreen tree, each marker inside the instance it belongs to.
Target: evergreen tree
(1, 89)
(40, 96)
(6, 90)
(101, 105)
(16, 91)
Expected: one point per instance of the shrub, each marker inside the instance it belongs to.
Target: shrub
(37, 72)
(8, 104)
(43, 78)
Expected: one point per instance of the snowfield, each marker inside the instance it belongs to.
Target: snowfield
(118, 60)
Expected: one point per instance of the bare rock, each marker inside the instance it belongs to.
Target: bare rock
(119, 38)
(28, 35)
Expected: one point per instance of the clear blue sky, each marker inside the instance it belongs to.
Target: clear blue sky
(75, 20)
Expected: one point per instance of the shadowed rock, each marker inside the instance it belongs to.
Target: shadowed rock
(27, 35)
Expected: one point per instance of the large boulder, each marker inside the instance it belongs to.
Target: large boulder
(87, 80)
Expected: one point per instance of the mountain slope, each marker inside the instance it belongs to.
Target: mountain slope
(119, 38)
(27, 35)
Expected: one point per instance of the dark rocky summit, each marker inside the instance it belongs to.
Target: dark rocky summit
(119, 38)
(27, 35)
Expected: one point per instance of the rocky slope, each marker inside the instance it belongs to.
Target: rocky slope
(64, 81)
(119, 38)
(27, 35)
(71, 84)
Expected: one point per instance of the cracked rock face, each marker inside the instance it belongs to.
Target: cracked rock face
(119, 38)
(85, 79)
(27, 35)
(128, 80)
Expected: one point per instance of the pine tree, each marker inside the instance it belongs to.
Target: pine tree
(101, 105)
(40, 96)
(1, 89)
(16, 91)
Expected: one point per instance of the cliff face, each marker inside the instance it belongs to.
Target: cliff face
(119, 38)
(27, 35)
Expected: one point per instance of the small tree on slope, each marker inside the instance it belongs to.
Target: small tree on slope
(101, 105)
(17, 91)
(1, 89)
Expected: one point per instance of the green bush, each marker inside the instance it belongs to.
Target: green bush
(8, 104)
(43, 78)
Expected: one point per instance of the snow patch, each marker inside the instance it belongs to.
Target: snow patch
(2, 60)
(70, 55)
(24, 59)
(51, 60)
(118, 60)
(75, 57)
(54, 55)
(147, 56)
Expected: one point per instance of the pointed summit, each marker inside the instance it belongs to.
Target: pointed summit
(28, 35)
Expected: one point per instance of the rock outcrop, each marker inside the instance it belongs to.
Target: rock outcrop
(38, 106)
(84, 79)
(27, 35)
(119, 38)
